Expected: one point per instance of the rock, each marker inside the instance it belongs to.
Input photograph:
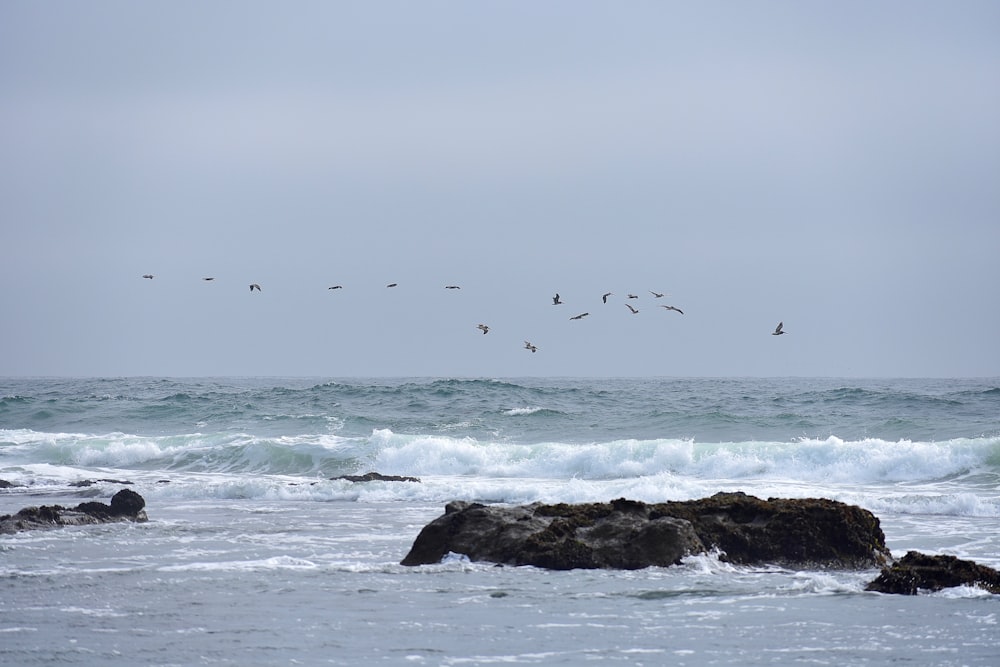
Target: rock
(4, 484)
(126, 505)
(91, 482)
(630, 534)
(375, 477)
(916, 571)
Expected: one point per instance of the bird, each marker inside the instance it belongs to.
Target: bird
(634, 311)
(529, 346)
(336, 287)
(254, 286)
(208, 279)
(555, 300)
(452, 287)
(148, 275)
(673, 308)
(604, 297)
(392, 284)
(777, 329)
(482, 327)
(632, 296)
(580, 316)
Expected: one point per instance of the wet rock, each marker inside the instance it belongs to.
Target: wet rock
(126, 505)
(629, 534)
(917, 572)
(375, 477)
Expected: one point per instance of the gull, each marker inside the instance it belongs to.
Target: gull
(604, 297)
(777, 329)
(482, 327)
(208, 279)
(673, 308)
(392, 284)
(452, 287)
(555, 300)
(634, 311)
(580, 316)
(336, 287)
(632, 296)
(529, 346)
(254, 286)
(658, 295)
(148, 275)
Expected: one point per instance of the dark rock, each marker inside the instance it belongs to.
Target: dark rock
(4, 484)
(629, 534)
(126, 505)
(375, 477)
(91, 482)
(916, 571)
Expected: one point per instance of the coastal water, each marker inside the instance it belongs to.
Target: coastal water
(253, 556)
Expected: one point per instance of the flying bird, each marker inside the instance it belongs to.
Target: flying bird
(634, 311)
(673, 308)
(632, 296)
(529, 346)
(392, 284)
(254, 286)
(777, 329)
(336, 287)
(482, 327)
(148, 275)
(452, 287)
(580, 316)
(208, 279)
(658, 295)
(555, 300)
(604, 297)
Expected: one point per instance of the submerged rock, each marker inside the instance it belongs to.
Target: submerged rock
(629, 534)
(126, 505)
(915, 572)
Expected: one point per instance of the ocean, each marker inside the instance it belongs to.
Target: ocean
(252, 555)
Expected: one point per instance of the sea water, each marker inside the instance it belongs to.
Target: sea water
(252, 555)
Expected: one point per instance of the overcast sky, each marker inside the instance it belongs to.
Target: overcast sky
(835, 166)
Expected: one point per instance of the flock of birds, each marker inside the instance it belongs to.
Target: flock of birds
(556, 301)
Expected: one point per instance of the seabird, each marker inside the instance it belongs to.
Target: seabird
(634, 311)
(148, 275)
(208, 278)
(452, 287)
(336, 287)
(254, 286)
(658, 295)
(485, 329)
(604, 297)
(632, 296)
(392, 284)
(529, 346)
(555, 300)
(673, 308)
(580, 316)
(777, 329)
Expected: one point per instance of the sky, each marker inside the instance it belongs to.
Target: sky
(832, 166)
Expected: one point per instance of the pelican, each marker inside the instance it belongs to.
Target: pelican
(529, 346)
(555, 300)
(482, 327)
(658, 295)
(673, 308)
(777, 329)
(254, 286)
(604, 297)
(148, 275)
(580, 316)
(634, 311)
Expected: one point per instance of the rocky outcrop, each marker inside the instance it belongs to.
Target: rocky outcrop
(630, 534)
(917, 572)
(375, 477)
(126, 505)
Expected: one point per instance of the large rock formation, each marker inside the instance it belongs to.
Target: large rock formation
(915, 572)
(630, 534)
(126, 505)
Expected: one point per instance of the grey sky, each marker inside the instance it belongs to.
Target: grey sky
(832, 165)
